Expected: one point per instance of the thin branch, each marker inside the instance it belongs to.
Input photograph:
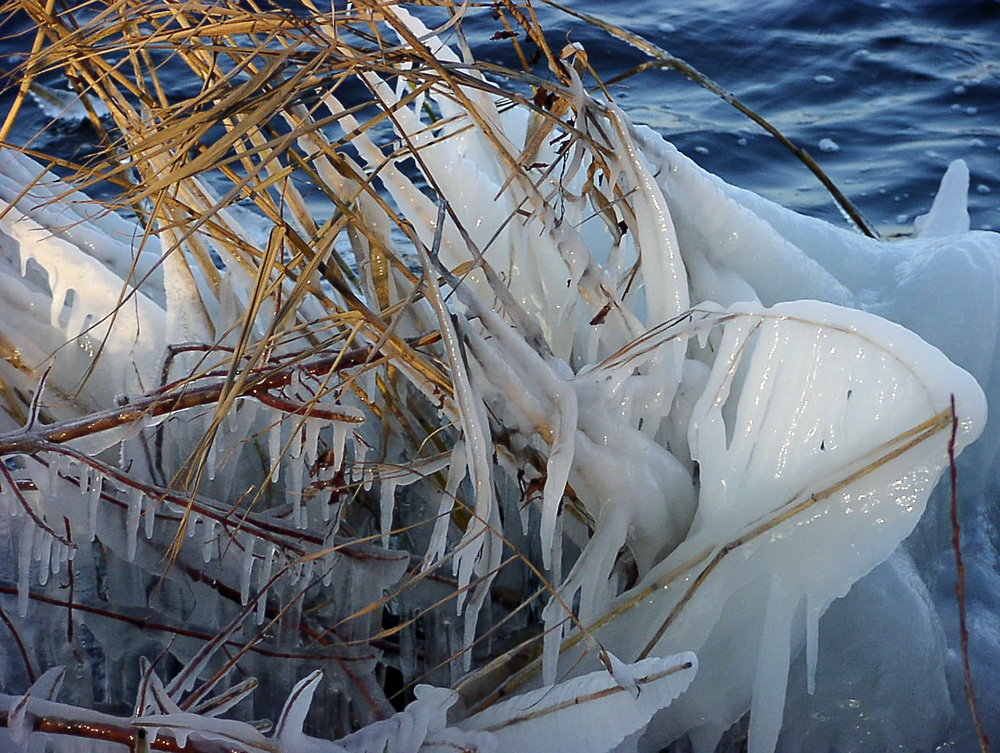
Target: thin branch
(984, 743)
(20, 645)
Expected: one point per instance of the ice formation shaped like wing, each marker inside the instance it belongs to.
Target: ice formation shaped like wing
(820, 434)
(943, 284)
(800, 390)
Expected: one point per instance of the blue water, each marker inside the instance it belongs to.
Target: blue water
(901, 87)
(894, 90)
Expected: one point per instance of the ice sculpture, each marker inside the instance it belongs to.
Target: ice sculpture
(691, 400)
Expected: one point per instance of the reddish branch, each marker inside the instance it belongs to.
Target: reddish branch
(57, 719)
(29, 440)
(147, 623)
(20, 644)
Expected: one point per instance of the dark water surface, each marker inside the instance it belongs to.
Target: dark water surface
(883, 94)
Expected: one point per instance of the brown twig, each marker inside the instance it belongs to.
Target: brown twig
(984, 743)
(93, 726)
(71, 578)
(153, 405)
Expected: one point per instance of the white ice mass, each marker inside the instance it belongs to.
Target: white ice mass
(714, 427)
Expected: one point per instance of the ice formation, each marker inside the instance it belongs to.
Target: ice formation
(573, 712)
(725, 415)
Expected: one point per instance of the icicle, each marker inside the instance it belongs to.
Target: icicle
(813, 613)
(557, 551)
(298, 440)
(149, 516)
(310, 441)
(239, 421)
(43, 554)
(59, 292)
(53, 470)
(249, 410)
(274, 447)
(329, 562)
(58, 557)
(439, 535)
(297, 471)
(295, 386)
(387, 499)
(71, 469)
(7, 500)
(231, 421)
(773, 661)
(24, 565)
(86, 474)
(326, 505)
(359, 470)
(552, 616)
(132, 514)
(558, 468)
(453, 637)
(14, 508)
(181, 733)
(192, 525)
(94, 484)
(246, 572)
(340, 430)
(208, 541)
(262, 582)
(524, 513)
(306, 569)
(293, 492)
